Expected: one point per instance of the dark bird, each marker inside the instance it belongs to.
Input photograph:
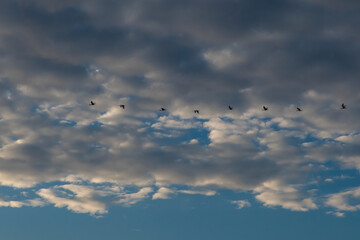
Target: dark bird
(196, 111)
(92, 103)
(230, 108)
(265, 108)
(343, 106)
(122, 106)
(298, 109)
(162, 109)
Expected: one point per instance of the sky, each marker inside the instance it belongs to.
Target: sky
(72, 170)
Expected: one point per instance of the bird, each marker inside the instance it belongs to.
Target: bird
(298, 109)
(196, 111)
(343, 106)
(92, 103)
(265, 108)
(230, 107)
(122, 106)
(162, 109)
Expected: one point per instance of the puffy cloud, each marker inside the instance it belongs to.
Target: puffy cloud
(275, 193)
(292, 201)
(79, 199)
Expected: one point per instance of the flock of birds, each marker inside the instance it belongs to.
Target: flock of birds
(264, 108)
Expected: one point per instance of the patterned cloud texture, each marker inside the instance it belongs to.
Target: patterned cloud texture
(57, 56)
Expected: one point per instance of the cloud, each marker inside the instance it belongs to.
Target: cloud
(17, 204)
(223, 58)
(166, 193)
(290, 201)
(241, 203)
(133, 198)
(170, 122)
(203, 192)
(345, 201)
(81, 202)
(163, 193)
(90, 199)
(275, 193)
(337, 214)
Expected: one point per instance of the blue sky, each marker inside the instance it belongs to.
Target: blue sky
(72, 170)
(183, 217)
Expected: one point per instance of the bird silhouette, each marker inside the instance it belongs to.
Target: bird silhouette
(162, 109)
(92, 103)
(298, 109)
(265, 108)
(196, 111)
(343, 106)
(230, 108)
(122, 106)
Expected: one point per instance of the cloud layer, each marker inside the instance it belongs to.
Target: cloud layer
(206, 55)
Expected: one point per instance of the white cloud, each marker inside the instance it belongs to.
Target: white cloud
(345, 201)
(80, 200)
(90, 199)
(292, 201)
(337, 214)
(166, 193)
(241, 203)
(200, 192)
(275, 193)
(223, 58)
(132, 198)
(163, 193)
(171, 122)
(194, 141)
(17, 204)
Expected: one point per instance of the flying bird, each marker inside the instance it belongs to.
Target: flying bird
(343, 106)
(230, 108)
(196, 111)
(265, 108)
(298, 109)
(92, 103)
(162, 109)
(122, 106)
